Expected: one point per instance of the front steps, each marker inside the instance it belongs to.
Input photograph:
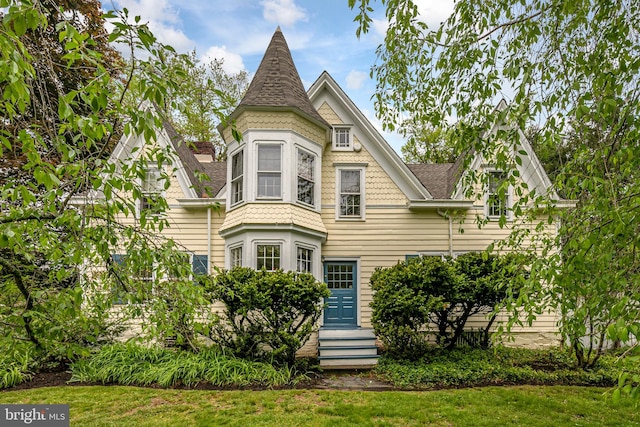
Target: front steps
(347, 348)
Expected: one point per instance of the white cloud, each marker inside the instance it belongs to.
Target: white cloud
(283, 12)
(355, 79)
(232, 61)
(163, 20)
(380, 26)
(434, 12)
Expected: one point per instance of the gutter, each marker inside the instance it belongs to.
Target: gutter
(440, 204)
(202, 203)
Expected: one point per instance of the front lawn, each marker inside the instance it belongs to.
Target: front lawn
(489, 406)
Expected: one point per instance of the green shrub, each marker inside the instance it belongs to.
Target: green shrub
(131, 364)
(470, 367)
(433, 295)
(402, 303)
(268, 316)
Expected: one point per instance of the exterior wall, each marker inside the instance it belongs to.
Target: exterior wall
(390, 231)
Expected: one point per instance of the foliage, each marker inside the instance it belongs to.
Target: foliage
(428, 145)
(432, 295)
(61, 202)
(204, 96)
(267, 315)
(403, 300)
(130, 364)
(15, 367)
(570, 69)
(475, 367)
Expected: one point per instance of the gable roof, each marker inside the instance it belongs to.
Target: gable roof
(437, 178)
(277, 84)
(325, 89)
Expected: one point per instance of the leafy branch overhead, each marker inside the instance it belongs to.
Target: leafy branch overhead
(570, 70)
(63, 111)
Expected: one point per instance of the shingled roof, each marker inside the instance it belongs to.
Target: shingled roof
(215, 171)
(278, 84)
(437, 178)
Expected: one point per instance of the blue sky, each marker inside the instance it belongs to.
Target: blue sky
(320, 35)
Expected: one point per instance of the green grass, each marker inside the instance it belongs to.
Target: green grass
(490, 406)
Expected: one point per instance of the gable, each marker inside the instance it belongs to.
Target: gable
(326, 95)
(530, 169)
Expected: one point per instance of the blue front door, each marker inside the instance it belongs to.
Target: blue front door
(340, 277)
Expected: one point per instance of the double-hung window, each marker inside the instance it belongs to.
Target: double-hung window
(497, 198)
(351, 193)
(235, 256)
(269, 171)
(306, 177)
(268, 257)
(304, 260)
(151, 192)
(237, 178)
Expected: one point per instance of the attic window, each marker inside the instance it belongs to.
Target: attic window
(342, 138)
(150, 201)
(497, 198)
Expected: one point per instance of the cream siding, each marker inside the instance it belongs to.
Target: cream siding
(276, 120)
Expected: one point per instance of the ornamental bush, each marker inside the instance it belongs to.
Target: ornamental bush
(431, 295)
(268, 315)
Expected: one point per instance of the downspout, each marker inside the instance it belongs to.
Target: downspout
(450, 220)
(209, 240)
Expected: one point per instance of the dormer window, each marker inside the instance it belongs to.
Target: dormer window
(342, 138)
(269, 171)
(237, 178)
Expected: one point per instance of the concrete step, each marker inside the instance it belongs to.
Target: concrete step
(346, 342)
(356, 333)
(367, 350)
(345, 362)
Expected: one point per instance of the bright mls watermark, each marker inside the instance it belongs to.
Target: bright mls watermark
(34, 415)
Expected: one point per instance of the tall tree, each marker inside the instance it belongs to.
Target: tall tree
(204, 96)
(62, 112)
(428, 145)
(571, 68)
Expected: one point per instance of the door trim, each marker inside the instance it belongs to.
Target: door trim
(357, 285)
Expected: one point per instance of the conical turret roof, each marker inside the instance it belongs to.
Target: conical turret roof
(277, 82)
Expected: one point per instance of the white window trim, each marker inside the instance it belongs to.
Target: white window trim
(314, 177)
(268, 243)
(256, 172)
(243, 176)
(334, 138)
(363, 200)
(143, 194)
(242, 255)
(508, 201)
(311, 260)
(151, 279)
